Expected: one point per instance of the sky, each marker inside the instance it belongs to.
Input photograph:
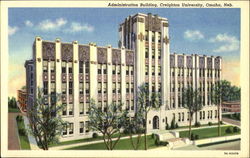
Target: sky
(201, 31)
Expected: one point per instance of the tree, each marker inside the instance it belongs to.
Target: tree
(192, 101)
(46, 124)
(135, 126)
(108, 122)
(147, 101)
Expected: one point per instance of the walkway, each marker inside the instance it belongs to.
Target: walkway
(32, 140)
(13, 139)
(231, 121)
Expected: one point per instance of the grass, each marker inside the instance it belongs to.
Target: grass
(24, 141)
(193, 126)
(123, 144)
(13, 110)
(83, 140)
(208, 132)
(221, 142)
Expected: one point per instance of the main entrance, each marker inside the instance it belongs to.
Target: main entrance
(156, 122)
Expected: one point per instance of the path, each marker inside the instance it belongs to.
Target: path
(231, 121)
(13, 139)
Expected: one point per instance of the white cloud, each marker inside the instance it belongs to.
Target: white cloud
(230, 43)
(28, 23)
(12, 30)
(193, 35)
(77, 27)
(47, 24)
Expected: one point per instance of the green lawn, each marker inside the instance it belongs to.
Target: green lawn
(123, 144)
(83, 140)
(14, 110)
(193, 126)
(25, 145)
(208, 132)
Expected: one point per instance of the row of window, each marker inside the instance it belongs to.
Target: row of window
(153, 53)
(181, 116)
(189, 72)
(153, 70)
(153, 36)
(69, 130)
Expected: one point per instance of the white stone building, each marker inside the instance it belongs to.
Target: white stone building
(80, 72)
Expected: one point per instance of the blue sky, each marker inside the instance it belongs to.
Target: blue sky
(201, 31)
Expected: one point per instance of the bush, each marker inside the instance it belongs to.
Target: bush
(22, 131)
(19, 118)
(192, 136)
(236, 129)
(229, 130)
(196, 136)
(209, 123)
(197, 124)
(221, 122)
(163, 143)
(172, 123)
(176, 125)
(94, 135)
(157, 142)
(167, 127)
(153, 136)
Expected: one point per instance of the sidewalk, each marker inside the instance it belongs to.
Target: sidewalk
(32, 140)
(13, 139)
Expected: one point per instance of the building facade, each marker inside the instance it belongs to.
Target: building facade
(230, 106)
(22, 99)
(80, 72)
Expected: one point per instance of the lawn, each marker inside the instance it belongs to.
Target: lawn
(208, 132)
(83, 140)
(123, 144)
(24, 141)
(14, 110)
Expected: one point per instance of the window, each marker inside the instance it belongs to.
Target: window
(63, 67)
(146, 52)
(87, 108)
(200, 115)
(45, 87)
(159, 87)
(53, 87)
(45, 66)
(52, 66)
(188, 116)
(203, 115)
(159, 37)
(211, 112)
(153, 70)
(99, 87)
(64, 130)
(99, 105)
(80, 88)
(183, 116)
(87, 68)
(153, 36)
(208, 114)
(153, 53)
(113, 87)
(105, 88)
(113, 69)
(119, 88)
(70, 67)
(99, 69)
(146, 70)
(127, 87)
(70, 87)
(127, 70)
(215, 114)
(81, 108)
(153, 87)
(159, 53)
(70, 109)
(64, 110)
(87, 88)
(105, 105)
(87, 126)
(132, 87)
(80, 66)
(71, 128)
(132, 104)
(132, 71)
(118, 70)
(146, 35)
(81, 127)
(159, 70)
(104, 69)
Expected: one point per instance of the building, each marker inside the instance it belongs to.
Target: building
(22, 99)
(230, 106)
(80, 72)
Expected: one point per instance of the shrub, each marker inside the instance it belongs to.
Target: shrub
(236, 129)
(172, 123)
(22, 131)
(94, 135)
(192, 136)
(209, 123)
(197, 124)
(167, 126)
(221, 122)
(176, 125)
(196, 136)
(229, 130)
(163, 143)
(19, 118)
(157, 142)
(153, 136)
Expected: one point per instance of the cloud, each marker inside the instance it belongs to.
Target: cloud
(77, 27)
(28, 23)
(230, 43)
(12, 30)
(193, 35)
(231, 70)
(47, 24)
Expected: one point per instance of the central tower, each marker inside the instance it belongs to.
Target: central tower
(148, 36)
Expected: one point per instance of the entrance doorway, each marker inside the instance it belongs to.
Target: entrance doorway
(156, 122)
